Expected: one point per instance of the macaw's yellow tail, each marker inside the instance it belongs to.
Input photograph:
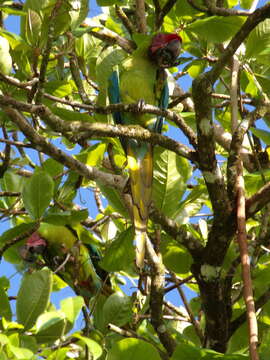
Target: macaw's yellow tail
(140, 163)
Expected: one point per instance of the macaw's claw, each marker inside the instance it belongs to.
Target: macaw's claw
(141, 105)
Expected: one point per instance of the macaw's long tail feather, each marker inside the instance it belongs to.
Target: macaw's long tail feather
(140, 163)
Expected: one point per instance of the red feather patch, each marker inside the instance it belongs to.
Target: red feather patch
(161, 40)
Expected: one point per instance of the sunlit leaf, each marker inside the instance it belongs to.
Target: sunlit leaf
(38, 193)
(216, 28)
(28, 308)
(133, 349)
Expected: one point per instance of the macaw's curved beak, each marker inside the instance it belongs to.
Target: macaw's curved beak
(165, 49)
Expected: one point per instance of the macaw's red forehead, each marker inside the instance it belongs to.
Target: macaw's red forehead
(160, 40)
(35, 240)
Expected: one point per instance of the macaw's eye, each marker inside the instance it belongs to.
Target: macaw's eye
(164, 58)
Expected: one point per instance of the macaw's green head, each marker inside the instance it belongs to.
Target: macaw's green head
(165, 49)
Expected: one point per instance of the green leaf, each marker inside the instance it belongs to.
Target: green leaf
(93, 155)
(5, 309)
(70, 217)
(261, 134)
(216, 28)
(186, 352)
(171, 173)
(246, 4)
(118, 309)
(133, 349)
(105, 63)
(33, 297)
(175, 257)
(259, 39)
(69, 115)
(12, 182)
(5, 58)
(58, 88)
(195, 68)
(71, 307)
(114, 199)
(120, 255)
(94, 348)
(20, 353)
(50, 327)
(38, 193)
(110, 2)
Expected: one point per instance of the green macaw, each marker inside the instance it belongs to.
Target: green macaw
(76, 263)
(142, 78)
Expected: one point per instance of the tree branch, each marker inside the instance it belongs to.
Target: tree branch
(252, 21)
(41, 144)
(157, 297)
(80, 131)
(141, 16)
(245, 262)
(164, 11)
(113, 38)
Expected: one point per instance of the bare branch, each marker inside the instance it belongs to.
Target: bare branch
(112, 38)
(242, 241)
(125, 20)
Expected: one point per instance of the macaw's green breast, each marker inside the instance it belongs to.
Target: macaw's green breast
(137, 82)
(57, 235)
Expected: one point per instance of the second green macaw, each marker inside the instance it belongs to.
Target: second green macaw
(142, 79)
(75, 262)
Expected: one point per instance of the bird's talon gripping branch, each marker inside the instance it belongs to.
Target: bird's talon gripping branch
(141, 104)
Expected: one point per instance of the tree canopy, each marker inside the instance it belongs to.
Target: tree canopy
(63, 171)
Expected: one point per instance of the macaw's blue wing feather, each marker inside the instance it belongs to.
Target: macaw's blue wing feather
(163, 104)
(114, 95)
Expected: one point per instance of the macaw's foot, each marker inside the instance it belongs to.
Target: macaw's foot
(141, 104)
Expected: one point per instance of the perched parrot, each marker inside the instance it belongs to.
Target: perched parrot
(74, 262)
(142, 79)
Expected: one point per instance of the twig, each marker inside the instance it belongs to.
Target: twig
(141, 16)
(178, 283)
(74, 68)
(164, 11)
(9, 193)
(47, 50)
(234, 92)
(133, 334)
(112, 38)
(193, 320)
(214, 10)
(61, 266)
(6, 160)
(17, 239)
(242, 240)
(98, 200)
(125, 20)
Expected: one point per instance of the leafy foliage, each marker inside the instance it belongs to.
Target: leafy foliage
(62, 164)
